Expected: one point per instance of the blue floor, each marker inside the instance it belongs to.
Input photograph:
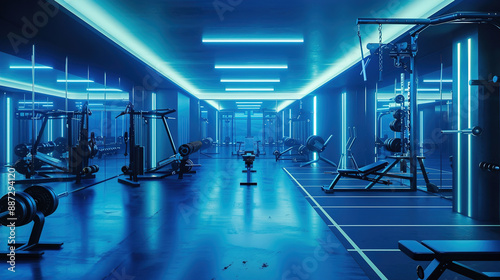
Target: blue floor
(205, 226)
(370, 224)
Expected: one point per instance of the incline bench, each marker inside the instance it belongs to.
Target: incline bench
(366, 172)
(446, 254)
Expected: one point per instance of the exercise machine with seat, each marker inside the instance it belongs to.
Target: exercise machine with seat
(448, 255)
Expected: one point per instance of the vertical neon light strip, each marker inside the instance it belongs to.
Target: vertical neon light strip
(469, 159)
(217, 127)
(459, 127)
(421, 132)
(315, 128)
(344, 132)
(9, 127)
(153, 132)
(376, 125)
(290, 123)
(283, 127)
(62, 127)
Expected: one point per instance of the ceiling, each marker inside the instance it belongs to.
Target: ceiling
(168, 36)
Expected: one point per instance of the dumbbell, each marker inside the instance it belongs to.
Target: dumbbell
(91, 169)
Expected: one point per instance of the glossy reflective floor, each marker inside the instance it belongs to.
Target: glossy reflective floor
(206, 226)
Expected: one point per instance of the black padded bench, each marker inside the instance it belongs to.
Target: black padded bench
(446, 254)
(363, 173)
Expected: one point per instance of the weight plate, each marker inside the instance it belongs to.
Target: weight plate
(398, 114)
(45, 198)
(22, 167)
(302, 150)
(315, 143)
(25, 209)
(21, 150)
(395, 125)
(399, 98)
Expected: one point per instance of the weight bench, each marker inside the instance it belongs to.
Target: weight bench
(446, 254)
(368, 172)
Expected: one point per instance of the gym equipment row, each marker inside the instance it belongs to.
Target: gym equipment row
(314, 144)
(35, 155)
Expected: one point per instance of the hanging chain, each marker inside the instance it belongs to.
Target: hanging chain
(380, 57)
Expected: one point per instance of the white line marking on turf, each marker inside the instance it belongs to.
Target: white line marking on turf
(334, 223)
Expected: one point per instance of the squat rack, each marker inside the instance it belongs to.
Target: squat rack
(403, 50)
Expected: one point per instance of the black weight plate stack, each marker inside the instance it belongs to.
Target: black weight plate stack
(25, 209)
(395, 126)
(45, 198)
(315, 143)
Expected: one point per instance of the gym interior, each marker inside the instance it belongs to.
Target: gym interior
(235, 139)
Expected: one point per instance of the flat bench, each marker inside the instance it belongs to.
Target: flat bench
(362, 173)
(446, 254)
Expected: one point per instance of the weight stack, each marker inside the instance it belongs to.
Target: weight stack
(139, 160)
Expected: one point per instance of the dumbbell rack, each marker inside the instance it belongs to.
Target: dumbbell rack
(78, 155)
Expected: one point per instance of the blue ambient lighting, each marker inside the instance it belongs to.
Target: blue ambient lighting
(9, 127)
(438, 81)
(459, 127)
(100, 18)
(414, 9)
(251, 66)
(29, 67)
(469, 159)
(283, 105)
(250, 80)
(283, 124)
(75, 81)
(289, 122)
(58, 93)
(344, 129)
(256, 102)
(249, 89)
(253, 40)
(153, 132)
